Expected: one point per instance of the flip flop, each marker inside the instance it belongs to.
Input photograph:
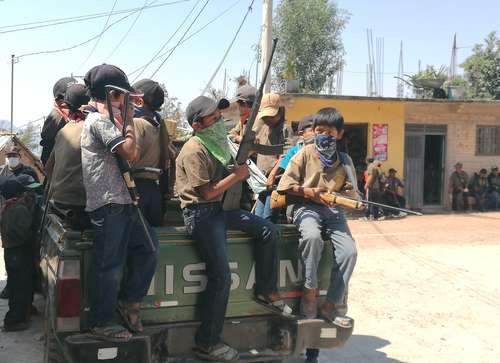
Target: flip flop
(218, 353)
(111, 333)
(125, 310)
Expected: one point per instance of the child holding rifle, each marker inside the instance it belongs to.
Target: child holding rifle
(318, 168)
(118, 235)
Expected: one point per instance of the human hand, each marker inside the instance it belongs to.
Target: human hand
(314, 194)
(241, 171)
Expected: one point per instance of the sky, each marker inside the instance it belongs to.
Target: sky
(425, 27)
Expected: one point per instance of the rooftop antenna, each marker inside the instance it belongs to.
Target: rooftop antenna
(452, 71)
(400, 86)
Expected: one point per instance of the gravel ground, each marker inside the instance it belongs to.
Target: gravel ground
(425, 289)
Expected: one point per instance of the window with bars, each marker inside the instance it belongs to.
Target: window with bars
(488, 140)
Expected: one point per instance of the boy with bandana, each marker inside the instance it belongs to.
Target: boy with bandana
(315, 169)
(202, 180)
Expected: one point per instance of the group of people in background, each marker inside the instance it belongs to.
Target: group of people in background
(484, 187)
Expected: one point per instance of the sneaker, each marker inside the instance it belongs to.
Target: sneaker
(364, 219)
(402, 214)
(381, 218)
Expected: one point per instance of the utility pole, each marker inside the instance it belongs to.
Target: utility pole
(12, 94)
(267, 36)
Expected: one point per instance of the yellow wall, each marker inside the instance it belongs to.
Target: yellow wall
(359, 111)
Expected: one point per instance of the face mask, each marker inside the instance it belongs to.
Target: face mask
(215, 140)
(326, 146)
(308, 140)
(12, 161)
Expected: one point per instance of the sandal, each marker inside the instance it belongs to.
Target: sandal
(126, 310)
(275, 306)
(218, 353)
(111, 333)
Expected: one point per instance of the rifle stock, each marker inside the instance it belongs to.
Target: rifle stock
(279, 200)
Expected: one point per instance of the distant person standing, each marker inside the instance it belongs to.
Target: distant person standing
(459, 182)
(373, 186)
(494, 181)
(13, 166)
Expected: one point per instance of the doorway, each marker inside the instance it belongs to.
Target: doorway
(354, 142)
(424, 165)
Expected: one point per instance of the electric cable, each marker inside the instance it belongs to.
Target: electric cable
(180, 40)
(228, 48)
(168, 41)
(129, 29)
(99, 37)
(74, 19)
(76, 45)
(199, 30)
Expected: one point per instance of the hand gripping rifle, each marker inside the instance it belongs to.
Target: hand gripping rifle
(247, 144)
(279, 200)
(123, 164)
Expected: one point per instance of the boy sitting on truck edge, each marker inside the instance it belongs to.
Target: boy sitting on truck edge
(202, 180)
(319, 168)
(118, 235)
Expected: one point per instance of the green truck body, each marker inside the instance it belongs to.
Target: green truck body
(170, 311)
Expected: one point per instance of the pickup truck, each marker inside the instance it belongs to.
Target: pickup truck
(169, 312)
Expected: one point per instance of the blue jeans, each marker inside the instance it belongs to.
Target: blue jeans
(207, 223)
(119, 241)
(317, 223)
(263, 208)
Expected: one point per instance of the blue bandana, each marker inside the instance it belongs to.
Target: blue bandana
(326, 146)
(153, 117)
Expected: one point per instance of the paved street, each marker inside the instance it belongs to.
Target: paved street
(425, 289)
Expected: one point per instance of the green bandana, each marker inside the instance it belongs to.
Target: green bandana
(215, 140)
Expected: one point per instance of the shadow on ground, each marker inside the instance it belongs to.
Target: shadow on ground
(358, 349)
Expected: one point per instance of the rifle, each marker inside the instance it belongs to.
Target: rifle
(279, 200)
(123, 164)
(247, 144)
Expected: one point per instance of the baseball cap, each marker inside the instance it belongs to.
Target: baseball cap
(458, 165)
(245, 93)
(483, 171)
(153, 94)
(106, 74)
(203, 106)
(28, 181)
(306, 122)
(76, 96)
(392, 170)
(269, 105)
(13, 150)
(61, 86)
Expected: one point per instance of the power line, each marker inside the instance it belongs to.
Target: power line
(228, 48)
(74, 19)
(129, 29)
(99, 37)
(168, 40)
(76, 45)
(199, 30)
(180, 40)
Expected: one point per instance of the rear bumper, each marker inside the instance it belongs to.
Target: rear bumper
(258, 340)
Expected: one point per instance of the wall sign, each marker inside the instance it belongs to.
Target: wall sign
(379, 141)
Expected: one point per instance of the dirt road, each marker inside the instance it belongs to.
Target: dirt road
(425, 289)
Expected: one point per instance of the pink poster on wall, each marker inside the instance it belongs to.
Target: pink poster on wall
(379, 141)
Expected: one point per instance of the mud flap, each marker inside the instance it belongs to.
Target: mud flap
(317, 333)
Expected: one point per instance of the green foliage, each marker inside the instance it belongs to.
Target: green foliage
(310, 47)
(482, 69)
(29, 136)
(431, 73)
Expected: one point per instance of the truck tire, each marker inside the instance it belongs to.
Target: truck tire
(51, 353)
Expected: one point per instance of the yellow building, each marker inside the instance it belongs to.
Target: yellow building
(424, 138)
(361, 114)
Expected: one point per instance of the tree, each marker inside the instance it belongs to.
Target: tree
(310, 47)
(482, 68)
(29, 136)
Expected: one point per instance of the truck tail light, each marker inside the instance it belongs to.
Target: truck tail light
(68, 295)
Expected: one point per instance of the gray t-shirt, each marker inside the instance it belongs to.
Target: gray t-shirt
(101, 177)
